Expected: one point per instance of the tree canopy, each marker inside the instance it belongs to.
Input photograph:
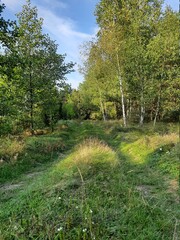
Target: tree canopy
(32, 73)
(134, 61)
(131, 69)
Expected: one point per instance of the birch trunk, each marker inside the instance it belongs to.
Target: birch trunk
(122, 92)
(157, 110)
(142, 112)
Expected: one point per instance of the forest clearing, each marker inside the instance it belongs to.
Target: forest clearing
(100, 159)
(91, 180)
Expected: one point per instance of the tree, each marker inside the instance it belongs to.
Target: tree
(136, 47)
(42, 68)
(108, 15)
(28, 44)
(163, 51)
(8, 59)
(51, 71)
(98, 73)
(125, 36)
(8, 30)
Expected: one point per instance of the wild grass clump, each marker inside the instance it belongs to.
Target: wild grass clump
(45, 144)
(91, 153)
(10, 148)
(93, 150)
(18, 157)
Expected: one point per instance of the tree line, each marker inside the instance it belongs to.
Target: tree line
(131, 68)
(32, 73)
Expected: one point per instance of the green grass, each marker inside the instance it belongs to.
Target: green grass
(93, 181)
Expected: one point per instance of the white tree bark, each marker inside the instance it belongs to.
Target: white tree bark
(122, 92)
(142, 112)
(157, 110)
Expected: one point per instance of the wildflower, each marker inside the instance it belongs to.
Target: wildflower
(85, 230)
(90, 211)
(59, 198)
(77, 207)
(60, 229)
(92, 223)
(160, 149)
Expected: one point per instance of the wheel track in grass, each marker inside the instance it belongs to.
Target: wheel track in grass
(147, 191)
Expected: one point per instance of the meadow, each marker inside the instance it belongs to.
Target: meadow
(91, 180)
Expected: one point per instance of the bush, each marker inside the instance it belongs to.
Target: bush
(6, 126)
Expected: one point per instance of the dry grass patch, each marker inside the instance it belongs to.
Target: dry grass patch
(90, 151)
(10, 149)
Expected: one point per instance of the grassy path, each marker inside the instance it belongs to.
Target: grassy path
(93, 181)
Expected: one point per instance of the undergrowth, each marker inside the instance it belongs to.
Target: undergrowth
(99, 181)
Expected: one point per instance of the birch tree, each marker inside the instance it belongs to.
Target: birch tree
(164, 53)
(108, 18)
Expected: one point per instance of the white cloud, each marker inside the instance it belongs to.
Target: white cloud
(14, 5)
(63, 30)
(57, 25)
(55, 4)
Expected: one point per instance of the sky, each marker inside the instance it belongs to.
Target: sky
(69, 22)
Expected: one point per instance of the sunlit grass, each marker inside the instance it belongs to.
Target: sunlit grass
(139, 150)
(90, 151)
(93, 186)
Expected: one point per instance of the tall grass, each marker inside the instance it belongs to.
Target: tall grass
(104, 182)
(10, 148)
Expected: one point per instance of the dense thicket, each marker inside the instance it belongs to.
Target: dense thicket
(132, 68)
(32, 73)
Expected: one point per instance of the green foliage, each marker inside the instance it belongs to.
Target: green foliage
(32, 74)
(8, 30)
(68, 111)
(6, 126)
(134, 61)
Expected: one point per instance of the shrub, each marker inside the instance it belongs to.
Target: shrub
(6, 126)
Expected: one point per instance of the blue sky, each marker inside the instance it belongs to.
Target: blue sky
(69, 22)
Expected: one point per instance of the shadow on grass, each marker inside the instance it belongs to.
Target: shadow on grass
(97, 201)
(165, 159)
(40, 150)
